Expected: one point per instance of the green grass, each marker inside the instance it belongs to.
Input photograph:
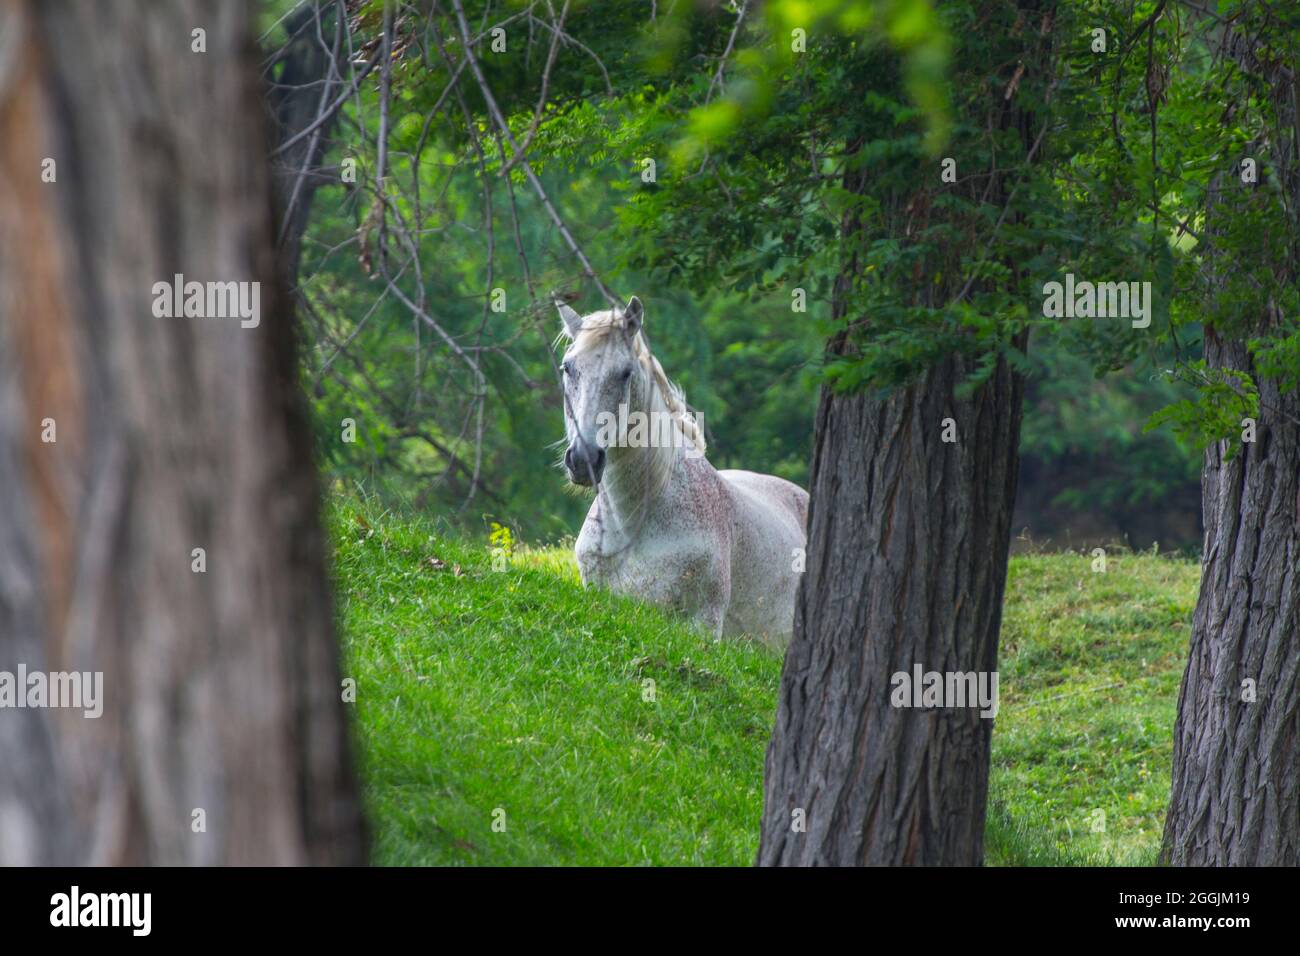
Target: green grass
(515, 695)
(1089, 671)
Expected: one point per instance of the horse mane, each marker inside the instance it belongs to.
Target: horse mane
(598, 325)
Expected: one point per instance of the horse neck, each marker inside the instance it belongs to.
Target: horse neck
(636, 477)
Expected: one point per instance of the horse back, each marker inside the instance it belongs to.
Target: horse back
(771, 492)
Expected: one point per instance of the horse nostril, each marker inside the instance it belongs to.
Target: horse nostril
(599, 463)
(568, 458)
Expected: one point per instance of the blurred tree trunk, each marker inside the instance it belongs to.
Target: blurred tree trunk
(223, 737)
(1235, 797)
(908, 538)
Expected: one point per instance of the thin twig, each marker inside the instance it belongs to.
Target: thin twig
(588, 269)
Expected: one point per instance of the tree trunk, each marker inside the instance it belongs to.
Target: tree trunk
(223, 738)
(907, 560)
(908, 537)
(1235, 799)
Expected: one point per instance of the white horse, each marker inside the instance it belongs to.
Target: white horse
(724, 547)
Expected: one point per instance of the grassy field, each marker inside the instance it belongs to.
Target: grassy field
(594, 730)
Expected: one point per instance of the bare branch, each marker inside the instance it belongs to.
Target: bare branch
(541, 100)
(476, 69)
(731, 42)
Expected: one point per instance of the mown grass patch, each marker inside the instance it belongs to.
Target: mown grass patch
(603, 732)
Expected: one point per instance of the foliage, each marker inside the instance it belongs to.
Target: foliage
(1228, 398)
(763, 155)
(1088, 434)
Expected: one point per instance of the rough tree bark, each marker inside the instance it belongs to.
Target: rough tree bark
(907, 559)
(1235, 798)
(221, 689)
(907, 554)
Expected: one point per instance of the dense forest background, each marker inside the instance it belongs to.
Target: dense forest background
(469, 436)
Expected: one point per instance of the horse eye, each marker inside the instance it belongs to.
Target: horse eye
(626, 373)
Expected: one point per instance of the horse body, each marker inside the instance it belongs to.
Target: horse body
(666, 526)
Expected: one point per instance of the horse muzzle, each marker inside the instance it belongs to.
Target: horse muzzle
(584, 465)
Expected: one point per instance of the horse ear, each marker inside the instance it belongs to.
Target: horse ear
(633, 316)
(572, 320)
